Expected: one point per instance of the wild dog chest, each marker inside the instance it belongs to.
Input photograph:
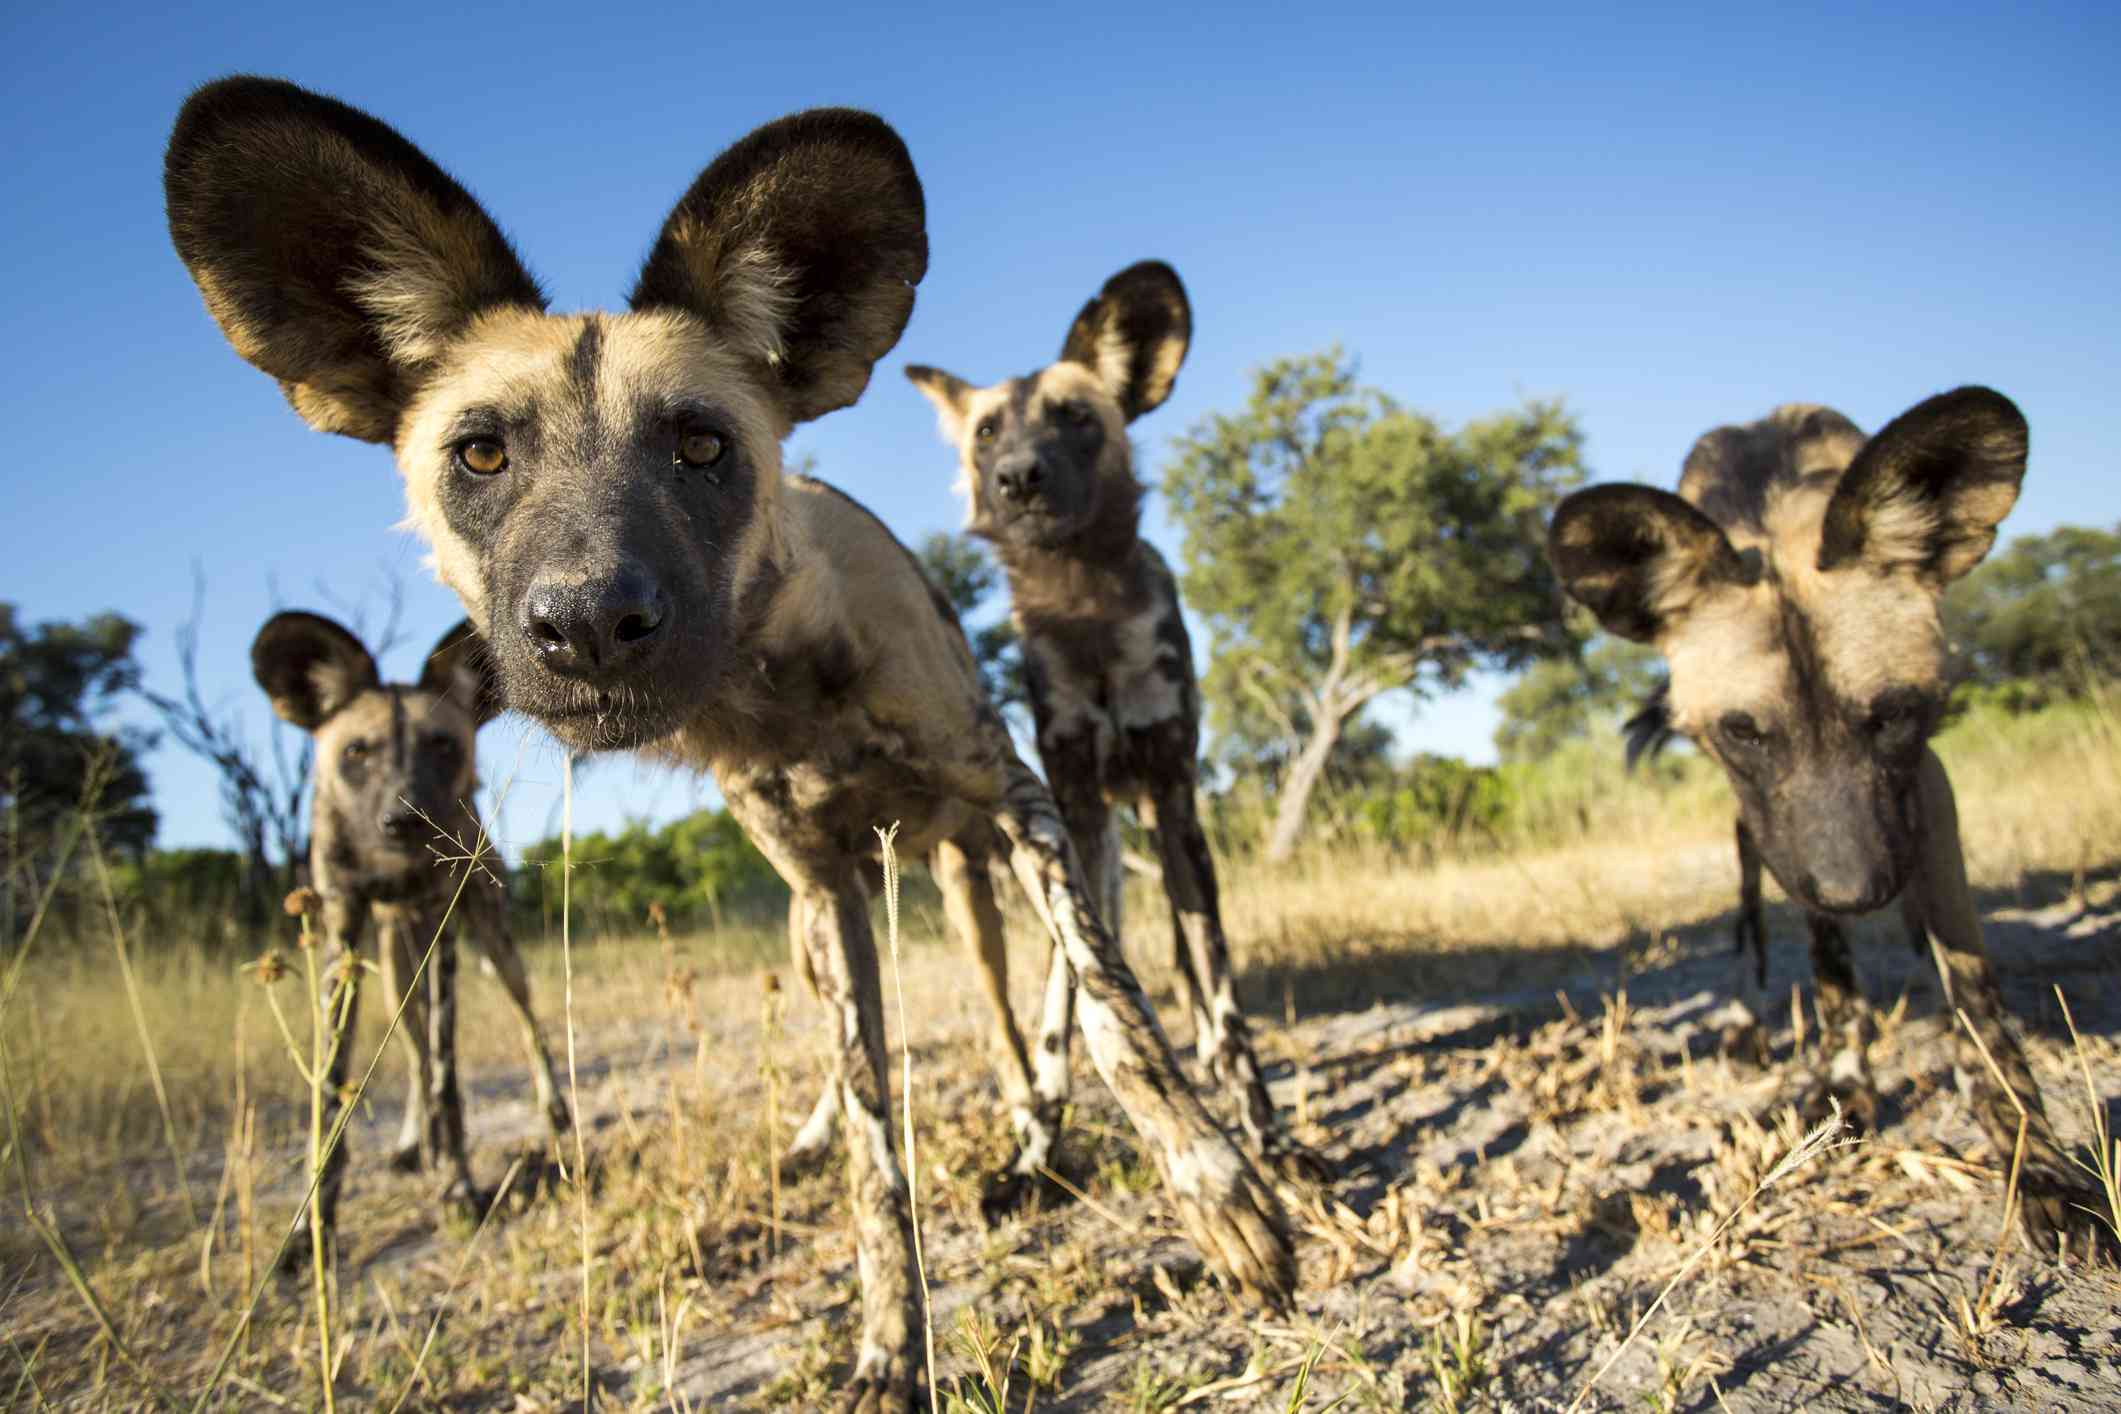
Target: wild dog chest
(1113, 696)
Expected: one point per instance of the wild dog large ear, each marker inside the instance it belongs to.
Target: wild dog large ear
(948, 393)
(334, 255)
(1133, 335)
(1927, 493)
(801, 245)
(1637, 557)
(310, 667)
(459, 668)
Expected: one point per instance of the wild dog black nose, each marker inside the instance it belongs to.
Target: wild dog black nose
(397, 823)
(584, 627)
(1848, 890)
(1019, 476)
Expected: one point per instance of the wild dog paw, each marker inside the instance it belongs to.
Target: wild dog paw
(1748, 1043)
(801, 1161)
(2061, 1215)
(882, 1384)
(295, 1258)
(558, 1120)
(1234, 1219)
(407, 1158)
(1010, 1193)
(1857, 1100)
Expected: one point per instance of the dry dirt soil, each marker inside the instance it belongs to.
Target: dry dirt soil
(1520, 1173)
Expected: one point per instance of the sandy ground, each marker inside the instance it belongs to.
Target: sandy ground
(1519, 1175)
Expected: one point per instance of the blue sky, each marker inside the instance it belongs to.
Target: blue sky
(1671, 218)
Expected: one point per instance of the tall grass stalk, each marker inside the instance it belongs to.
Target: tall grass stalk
(80, 824)
(147, 1040)
(55, 1241)
(2106, 1153)
(574, 1086)
(456, 1279)
(347, 1110)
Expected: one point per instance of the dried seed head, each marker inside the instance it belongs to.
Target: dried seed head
(773, 981)
(301, 903)
(267, 968)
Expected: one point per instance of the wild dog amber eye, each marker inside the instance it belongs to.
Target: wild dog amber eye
(355, 753)
(985, 431)
(482, 456)
(697, 449)
(1741, 729)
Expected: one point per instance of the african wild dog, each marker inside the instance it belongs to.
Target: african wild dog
(1048, 477)
(392, 832)
(605, 494)
(1793, 586)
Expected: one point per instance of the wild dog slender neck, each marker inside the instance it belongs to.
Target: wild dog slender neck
(1103, 572)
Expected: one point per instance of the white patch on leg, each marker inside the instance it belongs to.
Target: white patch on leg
(1034, 1148)
(1205, 1168)
(1846, 1068)
(816, 1134)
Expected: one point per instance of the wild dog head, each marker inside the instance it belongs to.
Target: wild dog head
(1045, 457)
(395, 762)
(1793, 588)
(601, 490)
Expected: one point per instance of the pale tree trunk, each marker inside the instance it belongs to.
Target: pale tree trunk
(1305, 771)
(1338, 695)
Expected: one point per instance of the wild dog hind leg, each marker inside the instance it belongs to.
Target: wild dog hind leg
(807, 1152)
(1226, 1046)
(966, 880)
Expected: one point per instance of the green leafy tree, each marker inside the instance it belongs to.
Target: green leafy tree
(58, 683)
(1434, 800)
(2046, 609)
(1341, 546)
(700, 862)
(1563, 699)
(957, 566)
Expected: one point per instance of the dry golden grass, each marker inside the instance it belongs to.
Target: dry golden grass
(687, 1232)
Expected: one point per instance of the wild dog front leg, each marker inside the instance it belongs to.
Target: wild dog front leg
(445, 1099)
(1749, 1037)
(967, 885)
(1750, 931)
(338, 1004)
(1226, 1046)
(487, 926)
(410, 1004)
(1844, 1030)
(1227, 1209)
(843, 963)
(2060, 1208)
